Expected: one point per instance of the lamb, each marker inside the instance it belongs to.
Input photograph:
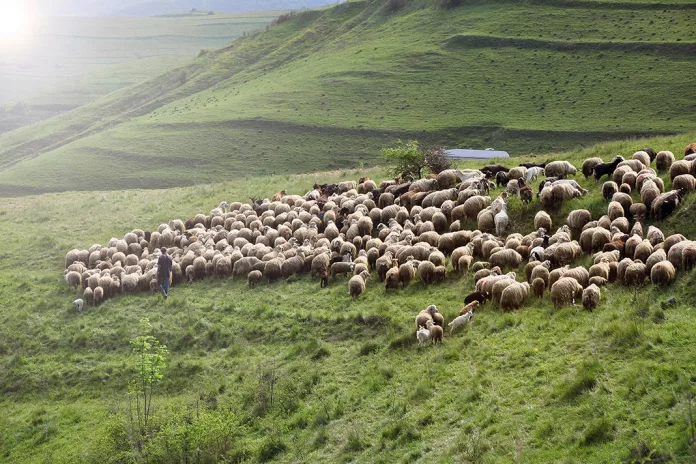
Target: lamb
(514, 295)
(435, 332)
(422, 335)
(664, 161)
(590, 297)
(588, 166)
(473, 306)
(606, 169)
(461, 321)
(78, 304)
(598, 281)
(356, 284)
(565, 290)
(542, 220)
(526, 195)
(560, 169)
(662, 273)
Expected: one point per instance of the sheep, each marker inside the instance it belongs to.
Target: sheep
(542, 220)
(533, 173)
(341, 268)
(538, 286)
(600, 269)
(254, 278)
(517, 173)
(498, 287)
(648, 193)
(501, 178)
(356, 284)
(98, 296)
(664, 160)
(598, 281)
(578, 218)
(685, 182)
(665, 204)
(588, 166)
(638, 210)
(424, 317)
(615, 210)
(560, 169)
(526, 195)
(606, 169)
(501, 220)
(88, 296)
(565, 290)
(480, 297)
(436, 332)
(461, 321)
(78, 304)
(662, 273)
(426, 271)
(643, 157)
(680, 167)
(407, 272)
(514, 295)
(73, 279)
(590, 297)
(473, 306)
(609, 188)
(506, 258)
(422, 335)
(634, 274)
(391, 279)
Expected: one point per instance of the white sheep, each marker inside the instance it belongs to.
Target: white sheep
(533, 173)
(423, 335)
(460, 321)
(78, 304)
(501, 220)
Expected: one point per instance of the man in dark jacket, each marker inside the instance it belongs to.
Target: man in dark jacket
(164, 272)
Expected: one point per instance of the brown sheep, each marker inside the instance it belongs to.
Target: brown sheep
(436, 332)
(473, 306)
(565, 290)
(590, 297)
(662, 273)
(254, 278)
(539, 287)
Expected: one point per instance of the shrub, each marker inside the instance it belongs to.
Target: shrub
(597, 432)
(436, 160)
(405, 159)
(270, 447)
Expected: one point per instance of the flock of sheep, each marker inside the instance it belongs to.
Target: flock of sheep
(406, 229)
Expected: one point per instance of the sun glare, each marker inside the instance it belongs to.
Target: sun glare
(14, 20)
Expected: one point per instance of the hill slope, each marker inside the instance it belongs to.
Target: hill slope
(535, 385)
(325, 89)
(64, 63)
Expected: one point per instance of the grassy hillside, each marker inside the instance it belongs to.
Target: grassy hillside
(65, 62)
(524, 77)
(535, 385)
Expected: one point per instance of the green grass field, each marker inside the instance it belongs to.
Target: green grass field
(523, 77)
(349, 383)
(66, 62)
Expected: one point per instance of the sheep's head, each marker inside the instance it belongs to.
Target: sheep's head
(365, 275)
(432, 309)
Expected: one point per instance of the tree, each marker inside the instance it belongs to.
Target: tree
(149, 362)
(406, 158)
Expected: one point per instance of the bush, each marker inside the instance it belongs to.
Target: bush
(436, 160)
(405, 159)
(270, 447)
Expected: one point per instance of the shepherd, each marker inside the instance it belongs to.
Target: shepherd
(164, 272)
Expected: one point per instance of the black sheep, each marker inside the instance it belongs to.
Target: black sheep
(651, 153)
(494, 169)
(501, 178)
(481, 297)
(606, 169)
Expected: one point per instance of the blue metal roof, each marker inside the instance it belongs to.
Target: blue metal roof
(460, 153)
